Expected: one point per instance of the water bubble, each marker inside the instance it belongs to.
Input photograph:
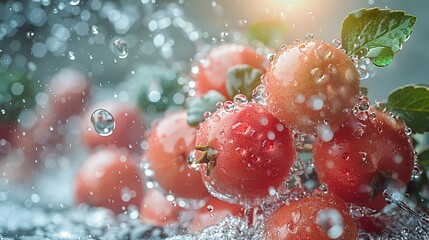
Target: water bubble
(94, 30)
(363, 73)
(298, 167)
(72, 55)
(336, 43)
(408, 131)
(30, 34)
(103, 122)
(210, 208)
(120, 47)
(270, 57)
(309, 36)
(417, 171)
(240, 99)
(74, 2)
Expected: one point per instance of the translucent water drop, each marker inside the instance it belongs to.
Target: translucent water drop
(74, 2)
(417, 171)
(94, 30)
(210, 208)
(270, 57)
(30, 34)
(191, 160)
(363, 74)
(72, 55)
(336, 43)
(298, 167)
(309, 36)
(408, 131)
(240, 99)
(120, 47)
(103, 122)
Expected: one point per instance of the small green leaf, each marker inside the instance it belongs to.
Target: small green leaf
(424, 157)
(242, 79)
(411, 103)
(271, 33)
(199, 105)
(376, 34)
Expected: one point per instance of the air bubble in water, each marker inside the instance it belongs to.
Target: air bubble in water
(103, 122)
(74, 2)
(120, 47)
(30, 34)
(363, 74)
(94, 30)
(72, 55)
(240, 99)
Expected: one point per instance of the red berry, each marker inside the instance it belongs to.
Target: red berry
(109, 178)
(157, 210)
(314, 217)
(247, 151)
(213, 211)
(170, 143)
(214, 67)
(367, 154)
(309, 83)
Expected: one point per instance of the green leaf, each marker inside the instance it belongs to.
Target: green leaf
(424, 157)
(242, 79)
(411, 103)
(271, 33)
(376, 34)
(199, 105)
(17, 93)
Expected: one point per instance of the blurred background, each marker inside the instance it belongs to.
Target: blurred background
(43, 36)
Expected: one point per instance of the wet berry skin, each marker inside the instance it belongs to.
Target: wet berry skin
(247, 151)
(214, 68)
(313, 217)
(368, 154)
(109, 178)
(170, 143)
(310, 83)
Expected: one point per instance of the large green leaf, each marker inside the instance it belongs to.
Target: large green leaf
(376, 33)
(411, 103)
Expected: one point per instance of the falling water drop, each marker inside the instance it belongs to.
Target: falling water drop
(103, 122)
(120, 47)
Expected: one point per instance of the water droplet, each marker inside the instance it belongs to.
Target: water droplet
(30, 34)
(270, 57)
(210, 208)
(309, 36)
(94, 30)
(363, 74)
(240, 99)
(336, 43)
(74, 2)
(408, 131)
(298, 167)
(120, 47)
(72, 55)
(417, 171)
(103, 122)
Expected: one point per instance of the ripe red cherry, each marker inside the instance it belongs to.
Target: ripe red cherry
(367, 154)
(109, 178)
(247, 151)
(313, 217)
(129, 126)
(212, 212)
(170, 143)
(157, 210)
(309, 83)
(214, 67)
